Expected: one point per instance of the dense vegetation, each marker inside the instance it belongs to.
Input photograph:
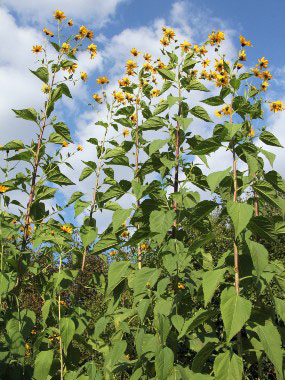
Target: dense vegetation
(175, 287)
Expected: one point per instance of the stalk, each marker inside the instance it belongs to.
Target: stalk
(59, 318)
(136, 174)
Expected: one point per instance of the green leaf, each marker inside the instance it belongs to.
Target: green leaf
(65, 90)
(178, 322)
(119, 217)
(86, 172)
(106, 242)
(57, 177)
(228, 366)
(245, 76)
(154, 122)
(117, 273)
(145, 276)
(240, 214)
(63, 130)
(201, 210)
(235, 311)
(202, 356)
(13, 145)
(41, 73)
(55, 138)
(160, 222)
(235, 83)
(161, 107)
(76, 195)
(189, 63)
(215, 178)
(269, 155)
(67, 330)
(269, 139)
(80, 206)
(56, 94)
(166, 74)
(156, 145)
(211, 280)
(56, 46)
(117, 151)
(164, 363)
(280, 308)
(43, 364)
(166, 85)
(232, 129)
(196, 85)
(259, 255)
(88, 235)
(271, 342)
(27, 114)
(201, 113)
(214, 101)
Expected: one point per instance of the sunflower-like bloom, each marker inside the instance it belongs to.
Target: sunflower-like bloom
(185, 46)
(125, 234)
(97, 98)
(66, 229)
(239, 66)
(242, 56)
(102, 80)
(154, 92)
(126, 132)
(266, 75)
(72, 68)
(244, 42)
(165, 41)
(216, 37)
(219, 113)
(212, 75)
(251, 133)
(181, 285)
(277, 106)
(37, 49)
(147, 57)
(262, 63)
(134, 118)
(204, 74)
(124, 82)
(147, 66)
(70, 22)
(89, 34)
(92, 48)
(168, 33)
(45, 88)
(119, 96)
(3, 189)
(144, 247)
(59, 15)
(222, 80)
(83, 30)
(219, 65)
(65, 47)
(256, 72)
(131, 65)
(154, 80)
(135, 52)
(227, 109)
(206, 62)
(65, 144)
(129, 97)
(83, 76)
(264, 85)
(48, 32)
(161, 65)
(203, 50)
(113, 253)
(80, 148)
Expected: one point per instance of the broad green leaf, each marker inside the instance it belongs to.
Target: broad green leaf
(161, 107)
(160, 222)
(155, 145)
(232, 129)
(116, 353)
(166, 85)
(269, 155)
(201, 113)
(171, 100)
(184, 122)
(206, 147)
(116, 274)
(56, 138)
(280, 308)
(65, 90)
(259, 256)
(88, 235)
(63, 130)
(235, 311)
(235, 83)
(189, 63)
(267, 192)
(80, 206)
(178, 322)
(198, 319)
(263, 228)
(57, 177)
(214, 101)
(271, 341)
(240, 214)
(119, 217)
(215, 178)
(245, 76)
(166, 74)
(202, 356)
(7, 282)
(43, 364)
(201, 210)
(86, 172)
(154, 122)
(118, 151)
(27, 114)
(211, 280)
(45, 309)
(228, 366)
(269, 139)
(76, 195)
(145, 276)
(164, 363)
(13, 145)
(41, 73)
(67, 330)
(196, 85)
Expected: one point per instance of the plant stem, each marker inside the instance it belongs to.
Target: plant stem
(136, 174)
(59, 318)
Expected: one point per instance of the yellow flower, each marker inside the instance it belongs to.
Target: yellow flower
(218, 113)
(3, 189)
(196, 48)
(70, 22)
(212, 75)
(185, 46)
(83, 76)
(134, 118)
(66, 229)
(59, 15)
(219, 65)
(65, 47)
(239, 66)
(204, 74)
(264, 85)
(222, 80)
(65, 144)
(72, 68)
(113, 253)
(83, 31)
(130, 64)
(277, 106)
(125, 234)
(102, 80)
(206, 63)
(78, 37)
(27, 346)
(97, 98)
(147, 66)
(129, 97)
(203, 50)
(263, 63)
(92, 48)
(216, 37)
(45, 88)
(266, 75)
(256, 72)
(165, 41)
(63, 303)
(130, 72)
(89, 34)
(80, 148)
(168, 33)
(154, 80)
(126, 132)
(161, 65)
(147, 57)
(124, 224)
(124, 82)
(155, 92)
(135, 52)
(48, 32)
(181, 286)
(227, 110)
(244, 42)
(242, 56)
(119, 96)
(144, 247)
(251, 132)
(34, 332)
(37, 49)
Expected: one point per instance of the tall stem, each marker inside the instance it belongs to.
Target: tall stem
(59, 318)
(136, 175)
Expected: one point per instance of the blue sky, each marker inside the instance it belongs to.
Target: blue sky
(120, 25)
